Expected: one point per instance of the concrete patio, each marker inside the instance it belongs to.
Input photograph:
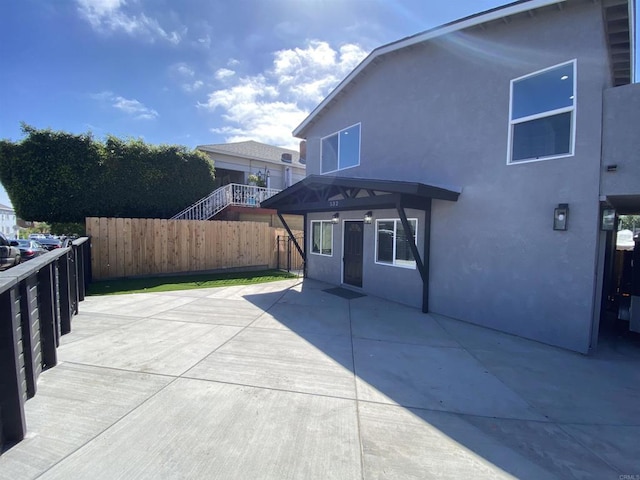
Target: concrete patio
(287, 381)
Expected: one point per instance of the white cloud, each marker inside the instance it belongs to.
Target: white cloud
(224, 73)
(266, 107)
(113, 15)
(131, 107)
(192, 87)
(182, 70)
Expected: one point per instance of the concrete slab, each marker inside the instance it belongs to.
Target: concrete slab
(310, 296)
(215, 311)
(86, 325)
(400, 443)
(153, 346)
(472, 337)
(74, 404)
(272, 394)
(447, 379)
(405, 326)
(205, 430)
(133, 305)
(331, 320)
(617, 445)
(319, 364)
(568, 387)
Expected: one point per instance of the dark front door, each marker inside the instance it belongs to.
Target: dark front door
(353, 253)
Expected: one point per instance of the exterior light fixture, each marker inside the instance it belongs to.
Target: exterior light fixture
(368, 217)
(335, 218)
(560, 216)
(608, 219)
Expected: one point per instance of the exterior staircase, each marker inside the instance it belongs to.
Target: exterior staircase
(218, 200)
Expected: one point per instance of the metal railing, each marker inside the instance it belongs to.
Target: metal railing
(37, 300)
(218, 200)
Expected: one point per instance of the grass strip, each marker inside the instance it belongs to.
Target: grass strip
(184, 282)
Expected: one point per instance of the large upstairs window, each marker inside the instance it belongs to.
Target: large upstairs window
(341, 150)
(542, 114)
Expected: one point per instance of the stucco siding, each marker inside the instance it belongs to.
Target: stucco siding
(439, 113)
(621, 140)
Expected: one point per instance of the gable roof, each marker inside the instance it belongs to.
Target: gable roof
(5, 207)
(255, 151)
(619, 22)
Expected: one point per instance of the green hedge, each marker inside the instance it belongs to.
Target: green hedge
(61, 177)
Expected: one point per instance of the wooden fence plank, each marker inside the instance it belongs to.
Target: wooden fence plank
(118, 242)
(126, 245)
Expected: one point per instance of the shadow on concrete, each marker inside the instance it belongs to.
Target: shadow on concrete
(437, 395)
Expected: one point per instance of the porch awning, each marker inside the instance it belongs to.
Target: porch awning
(320, 193)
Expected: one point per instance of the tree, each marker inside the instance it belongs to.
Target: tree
(61, 177)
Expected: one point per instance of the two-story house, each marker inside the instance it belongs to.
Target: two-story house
(466, 170)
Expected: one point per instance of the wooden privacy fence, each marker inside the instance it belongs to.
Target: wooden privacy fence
(129, 247)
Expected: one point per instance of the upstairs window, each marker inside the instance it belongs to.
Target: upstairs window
(341, 150)
(542, 114)
(322, 237)
(392, 242)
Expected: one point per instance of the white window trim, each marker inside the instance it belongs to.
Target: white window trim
(394, 264)
(549, 113)
(311, 238)
(338, 134)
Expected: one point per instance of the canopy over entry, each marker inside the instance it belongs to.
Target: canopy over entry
(318, 193)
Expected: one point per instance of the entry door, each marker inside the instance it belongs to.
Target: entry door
(353, 241)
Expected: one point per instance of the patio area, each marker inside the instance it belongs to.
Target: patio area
(288, 381)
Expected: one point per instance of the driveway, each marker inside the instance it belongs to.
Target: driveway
(288, 381)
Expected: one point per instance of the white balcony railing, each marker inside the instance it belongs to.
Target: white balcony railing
(218, 200)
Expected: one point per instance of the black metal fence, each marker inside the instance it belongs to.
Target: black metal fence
(37, 300)
(289, 258)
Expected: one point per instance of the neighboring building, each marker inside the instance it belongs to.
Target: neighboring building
(8, 224)
(234, 162)
(236, 198)
(498, 141)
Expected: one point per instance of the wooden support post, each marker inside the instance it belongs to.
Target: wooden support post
(13, 395)
(48, 319)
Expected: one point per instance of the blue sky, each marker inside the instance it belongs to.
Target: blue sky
(191, 72)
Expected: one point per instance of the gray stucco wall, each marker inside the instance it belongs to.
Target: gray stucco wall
(402, 285)
(438, 113)
(621, 140)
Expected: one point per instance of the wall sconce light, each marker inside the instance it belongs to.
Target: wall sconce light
(608, 219)
(560, 216)
(368, 217)
(335, 218)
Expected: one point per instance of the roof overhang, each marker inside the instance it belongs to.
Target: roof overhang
(619, 18)
(318, 193)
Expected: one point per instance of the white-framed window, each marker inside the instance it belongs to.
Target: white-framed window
(340, 150)
(542, 112)
(322, 237)
(392, 242)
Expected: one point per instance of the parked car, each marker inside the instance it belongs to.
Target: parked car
(9, 253)
(30, 249)
(50, 243)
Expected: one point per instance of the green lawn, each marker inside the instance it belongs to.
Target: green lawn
(184, 282)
